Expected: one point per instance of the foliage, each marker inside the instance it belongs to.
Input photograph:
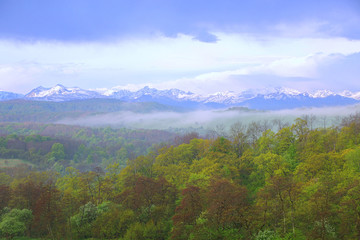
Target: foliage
(50, 146)
(296, 183)
(15, 222)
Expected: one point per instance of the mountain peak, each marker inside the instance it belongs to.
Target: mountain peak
(60, 93)
(322, 94)
(350, 94)
(265, 96)
(287, 91)
(59, 86)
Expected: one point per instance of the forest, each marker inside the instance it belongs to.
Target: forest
(43, 111)
(253, 182)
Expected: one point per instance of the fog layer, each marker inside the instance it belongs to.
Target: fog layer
(211, 118)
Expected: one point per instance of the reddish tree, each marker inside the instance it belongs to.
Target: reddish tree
(47, 211)
(145, 193)
(190, 206)
(4, 196)
(187, 212)
(25, 195)
(227, 204)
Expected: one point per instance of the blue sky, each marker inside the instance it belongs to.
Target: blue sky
(201, 46)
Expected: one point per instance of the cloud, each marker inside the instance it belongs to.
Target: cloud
(342, 72)
(84, 20)
(206, 37)
(233, 62)
(17, 77)
(305, 67)
(318, 71)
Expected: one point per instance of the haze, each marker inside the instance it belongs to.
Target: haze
(203, 121)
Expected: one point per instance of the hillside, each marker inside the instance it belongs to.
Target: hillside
(47, 111)
(295, 183)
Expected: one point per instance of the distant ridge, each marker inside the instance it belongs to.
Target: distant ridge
(265, 99)
(9, 95)
(22, 110)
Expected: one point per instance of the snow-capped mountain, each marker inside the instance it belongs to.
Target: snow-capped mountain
(264, 99)
(284, 101)
(175, 94)
(349, 94)
(227, 97)
(172, 97)
(60, 93)
(322, 94)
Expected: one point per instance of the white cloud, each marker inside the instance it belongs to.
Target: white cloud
(292, 66)
(314, 28)
(160, 60)
(293, 72)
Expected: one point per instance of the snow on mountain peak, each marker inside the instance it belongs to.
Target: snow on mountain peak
(350, 94)
(61, 93)
(45, 92)
(223, 97)
(322, 94)
(287, 91)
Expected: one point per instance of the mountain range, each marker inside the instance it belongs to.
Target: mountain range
(265, 99)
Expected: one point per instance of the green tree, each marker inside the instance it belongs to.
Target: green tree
(15, 223)
(57, 151)
(82, 222)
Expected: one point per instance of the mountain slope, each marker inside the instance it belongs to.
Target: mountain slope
(47, 111)
(282, 101)
(9, 95)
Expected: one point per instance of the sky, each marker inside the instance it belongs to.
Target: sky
(194, 45)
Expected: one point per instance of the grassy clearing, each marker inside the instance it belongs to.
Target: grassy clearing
(7, 163)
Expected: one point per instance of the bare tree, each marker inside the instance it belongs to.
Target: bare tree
(310, 119)
(253, 131)
(324, 121)
(239, 137)
(279, 123)
(218, 131)
(265, 125)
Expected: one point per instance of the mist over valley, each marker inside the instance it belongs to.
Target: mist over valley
(203, 120)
